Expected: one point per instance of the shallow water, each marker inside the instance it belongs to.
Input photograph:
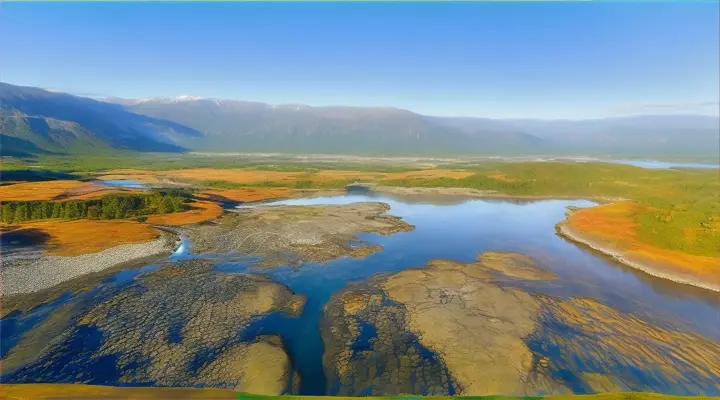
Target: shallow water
(123, 183)
(652, 164)
(457, 229)
(462, 230)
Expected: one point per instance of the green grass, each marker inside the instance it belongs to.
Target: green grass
(166, 161)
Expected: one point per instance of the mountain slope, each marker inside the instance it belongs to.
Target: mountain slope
(248, 126)
(32, 119)
(235, 125)
(634, 135)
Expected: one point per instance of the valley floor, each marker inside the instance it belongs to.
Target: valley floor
(682, 247)
(428, 324)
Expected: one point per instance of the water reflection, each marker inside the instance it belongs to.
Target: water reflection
(462, 229)
(123, 183)
(452, 228)
(652, 164)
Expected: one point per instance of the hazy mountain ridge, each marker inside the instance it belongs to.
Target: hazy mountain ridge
(642, 134)
(34, 120)
(252, 126)
(58, 123)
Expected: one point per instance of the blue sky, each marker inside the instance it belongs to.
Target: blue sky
(524, 60)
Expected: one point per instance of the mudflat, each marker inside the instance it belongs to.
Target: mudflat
(451, 328)
(146, 333)
(295, 234)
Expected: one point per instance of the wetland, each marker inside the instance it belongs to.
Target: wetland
(366, 293)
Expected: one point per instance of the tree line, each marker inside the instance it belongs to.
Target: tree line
(109, 206)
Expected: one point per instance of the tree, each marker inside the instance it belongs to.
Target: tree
(57, 211)
(36, 211)
(22, 213)
(82, 209)
(93, 212)
(8, 212)
(47, 209)
(107, 207)
(72, 210)
(161, 207)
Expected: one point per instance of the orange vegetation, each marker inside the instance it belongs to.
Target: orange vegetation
(250, 176)
(75, 391)
(612, 222)
(72, 238)
(613, 226)
(54, 190)
(250, 194)
(202, 211)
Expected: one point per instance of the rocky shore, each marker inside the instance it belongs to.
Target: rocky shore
(176, 326)
(294, 235)
(454, 328)
(30, 270)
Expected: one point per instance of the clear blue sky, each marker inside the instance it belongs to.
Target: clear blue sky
(547, 60)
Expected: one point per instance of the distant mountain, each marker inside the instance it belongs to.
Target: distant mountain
(484, 129)
(250, 126)
(634, 135)
(34, 121)
(235, 125)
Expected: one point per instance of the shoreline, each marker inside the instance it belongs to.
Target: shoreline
(473, 193)
(561, 227)
(30, 271)
(566, 232)
(229, 204)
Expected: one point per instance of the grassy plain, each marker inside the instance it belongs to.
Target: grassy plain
(56, 190)
(72, 238)
(289, 177)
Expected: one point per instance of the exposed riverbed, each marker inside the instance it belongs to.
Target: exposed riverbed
(458, 230)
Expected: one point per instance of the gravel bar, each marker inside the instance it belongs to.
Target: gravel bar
(31, 271)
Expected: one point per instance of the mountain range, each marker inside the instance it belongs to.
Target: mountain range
(34, 120)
